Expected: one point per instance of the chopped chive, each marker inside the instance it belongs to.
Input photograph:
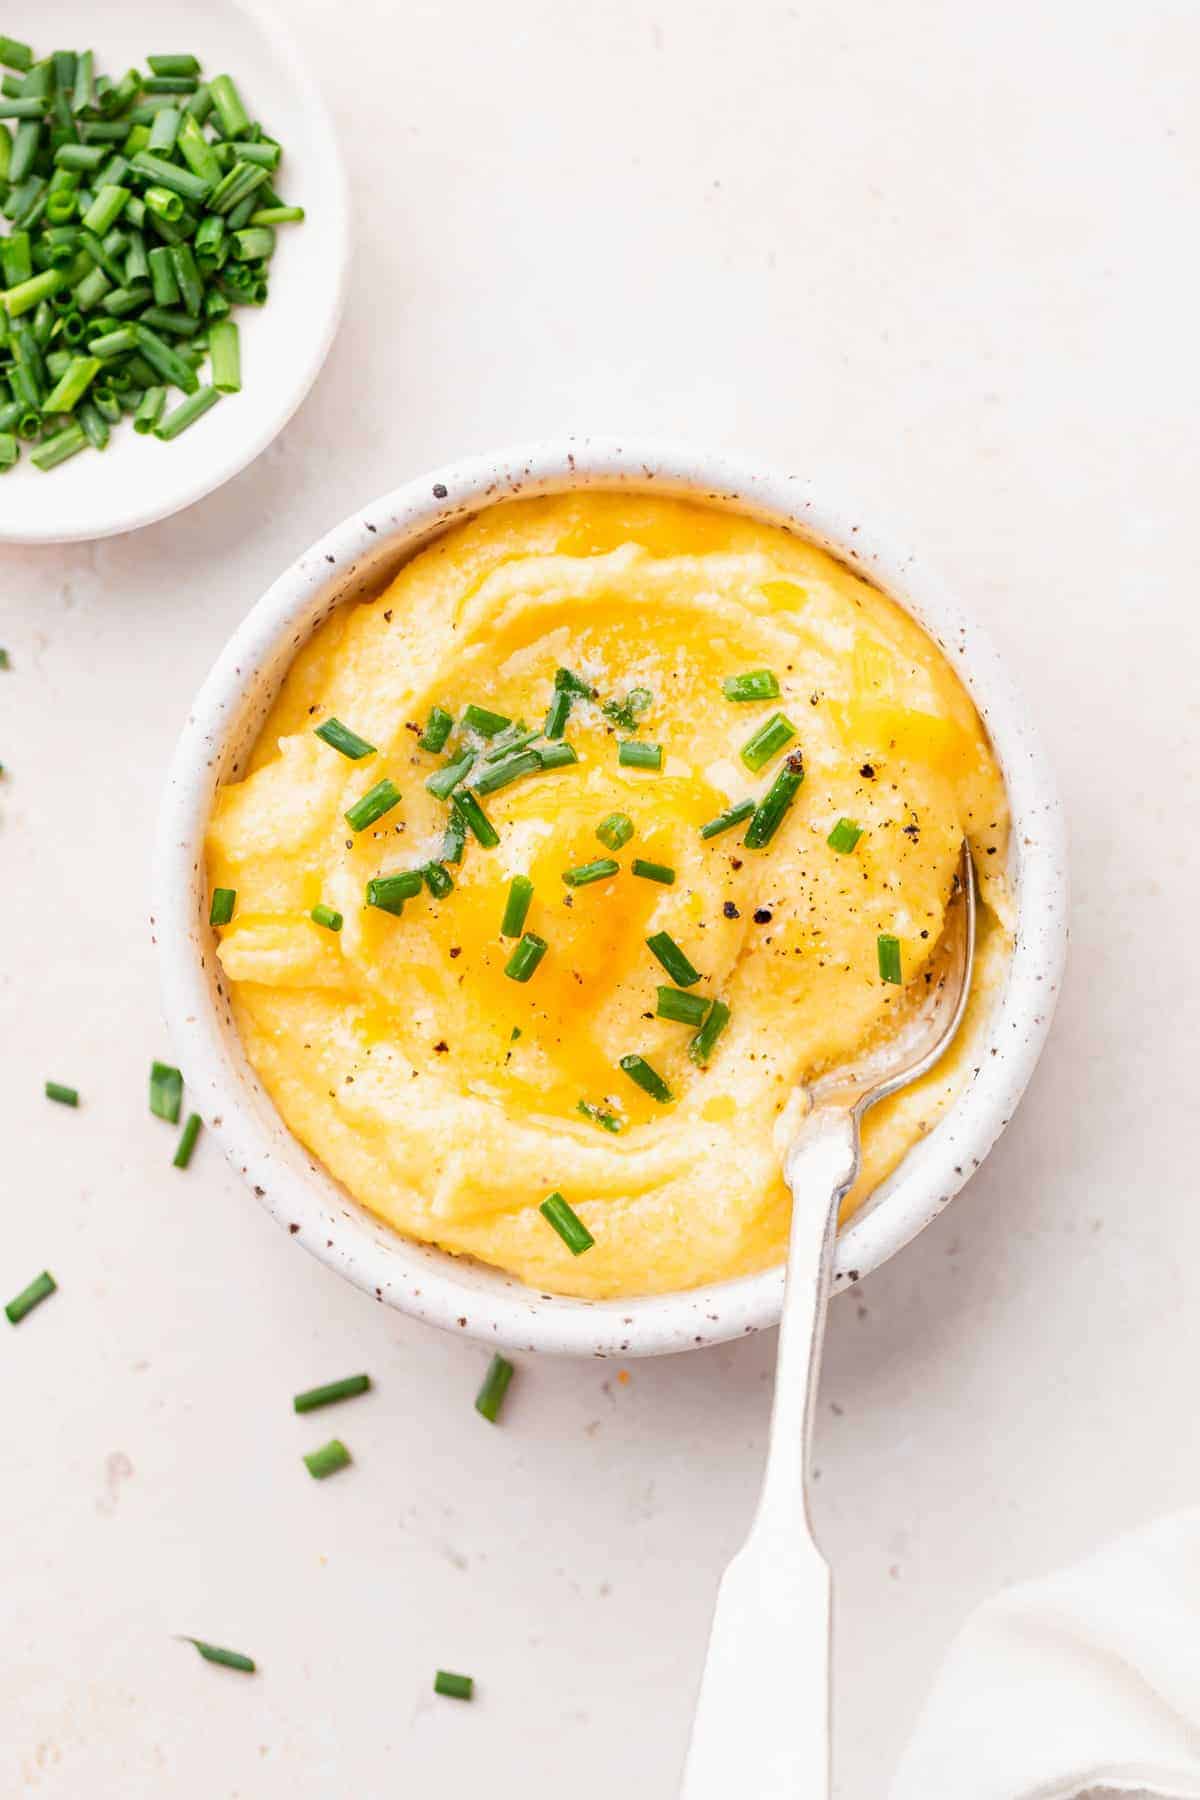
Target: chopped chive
(84, 95)
(113, 343)
(443, 781)
(186, 413)
(487, 724)
(767, 741)
(228, 1659)
(566, 686)
(455, 1687)
(16, 262)
(702, 1045)
(389, 892)
(648, 1079)
(634, 755)
(169, 175)
(224, 351)
(374, 803)
(26, 143)
(526, 957)
(4, 662)
(85, 159)
(476, 819)
(615, 830)
(516, 907)
(164, 130)
(757, 684)
(499, 775)
(16, 55)
(174, 65)
(165, 361)
(163, 204)
(312, 1398)
(38, 1290)
(673, 960)
(684, 1009)
(254, 243)
(509, 742)
(237, 186)
(628, 711)
(454, 839)
(725, 821)
(105, 209)
(149, 410)
(599, 1115)
(201, 158)
(888, 948)
(54, 450)
(340, 737)
(227, 103)
(844, 836)
(162, 276)
(187, 1141)
(327, 1460)
(223, 902)
(438, 879)
(768, 815)
(438, 727)
(326, 916)
(586, 873)
(66, 1096)
(652, 871)
(277, 215)
(557, 756)
(566, 1221)
(490, 1397)
(166, 1092)
(557, 713)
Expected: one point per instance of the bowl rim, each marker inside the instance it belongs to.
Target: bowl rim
(456, 1293)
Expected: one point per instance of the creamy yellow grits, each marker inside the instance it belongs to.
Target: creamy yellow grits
(445, 1094)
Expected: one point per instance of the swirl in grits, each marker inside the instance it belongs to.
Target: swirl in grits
(402, 1049)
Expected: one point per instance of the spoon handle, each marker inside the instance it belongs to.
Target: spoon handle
(762, 1718)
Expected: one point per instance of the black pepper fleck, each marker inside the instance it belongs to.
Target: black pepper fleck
(731, 911)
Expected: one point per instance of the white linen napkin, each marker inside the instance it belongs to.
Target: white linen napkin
(1085, 1683)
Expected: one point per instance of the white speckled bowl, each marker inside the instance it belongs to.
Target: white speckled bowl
(355, 560)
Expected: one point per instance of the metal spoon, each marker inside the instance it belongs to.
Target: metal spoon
(761, 1730)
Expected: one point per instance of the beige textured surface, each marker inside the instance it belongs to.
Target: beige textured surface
(943, 259)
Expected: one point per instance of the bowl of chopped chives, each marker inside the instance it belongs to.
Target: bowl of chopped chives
(173, 247)
(258, 1025)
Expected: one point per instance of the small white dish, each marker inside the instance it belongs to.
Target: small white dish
(356, 559)
(137, 479)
